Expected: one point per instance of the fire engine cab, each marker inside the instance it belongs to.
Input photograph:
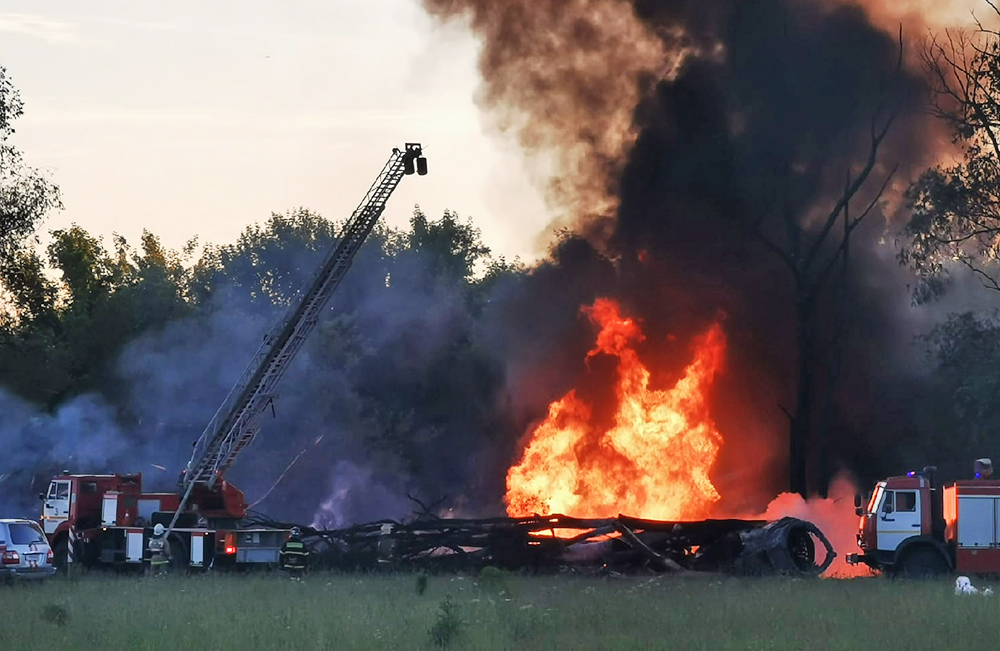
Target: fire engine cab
(912, 527)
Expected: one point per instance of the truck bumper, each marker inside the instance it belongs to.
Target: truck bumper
(865, 559)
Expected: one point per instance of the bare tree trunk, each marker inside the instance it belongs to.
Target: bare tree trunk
(824, 428)
(810, 252)
(798, 439)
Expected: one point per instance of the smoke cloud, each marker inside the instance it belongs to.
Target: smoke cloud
(565, 77)
(715, 98)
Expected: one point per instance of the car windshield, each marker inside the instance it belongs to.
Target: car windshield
(25, 534)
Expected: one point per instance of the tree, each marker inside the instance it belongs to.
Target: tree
(69, 332)
(815, 253)
(25, 194)
(31, 295)
(269, 261)
(956, 208)
(451, 247)
(965, 355)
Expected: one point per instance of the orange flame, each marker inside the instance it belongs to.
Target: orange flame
(655, 459)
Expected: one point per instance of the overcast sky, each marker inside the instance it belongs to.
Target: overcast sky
(191, 117)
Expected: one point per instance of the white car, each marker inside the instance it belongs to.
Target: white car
(24, 551)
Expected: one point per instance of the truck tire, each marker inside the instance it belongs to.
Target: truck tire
(922, 563)
(59, 554)
(178, 556)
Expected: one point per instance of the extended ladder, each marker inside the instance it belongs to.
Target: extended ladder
(237, 420)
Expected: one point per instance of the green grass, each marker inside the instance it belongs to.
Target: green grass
(500, 611)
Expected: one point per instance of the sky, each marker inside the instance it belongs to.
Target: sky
(192, 118)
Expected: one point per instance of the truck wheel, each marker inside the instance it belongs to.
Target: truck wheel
(178, 556)
(59, 554)
(922, 563)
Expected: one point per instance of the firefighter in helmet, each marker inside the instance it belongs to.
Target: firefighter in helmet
(294, 556)
(159, 551)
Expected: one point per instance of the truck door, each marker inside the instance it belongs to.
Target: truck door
(56, 506)
(898, 518)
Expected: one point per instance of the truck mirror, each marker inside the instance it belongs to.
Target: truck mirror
(888, 507)
(858, 510)
(41, 496)
(857, 501)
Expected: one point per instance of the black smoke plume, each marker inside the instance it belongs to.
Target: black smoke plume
(721, 96)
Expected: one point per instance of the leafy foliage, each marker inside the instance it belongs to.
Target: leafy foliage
(26, 195)
(448, 624)
(956, 208)
(65, 334)
(965, 353)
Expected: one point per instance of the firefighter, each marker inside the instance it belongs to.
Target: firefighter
(386, 544)
(294, 556)
(159, 551)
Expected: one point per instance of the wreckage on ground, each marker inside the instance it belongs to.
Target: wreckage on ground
(788, 546)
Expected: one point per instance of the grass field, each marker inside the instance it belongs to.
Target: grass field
(492, 611)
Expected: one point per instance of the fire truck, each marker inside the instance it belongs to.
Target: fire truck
(912, 527)
(106, 520)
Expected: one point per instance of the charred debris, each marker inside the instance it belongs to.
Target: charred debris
(559, 543)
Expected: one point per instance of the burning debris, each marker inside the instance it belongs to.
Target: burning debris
(653, 459)
(557, 542)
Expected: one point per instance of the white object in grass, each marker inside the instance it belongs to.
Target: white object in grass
(964, 586)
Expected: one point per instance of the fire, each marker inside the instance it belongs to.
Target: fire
(655, 459)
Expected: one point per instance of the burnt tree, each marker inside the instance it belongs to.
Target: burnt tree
(814, 251)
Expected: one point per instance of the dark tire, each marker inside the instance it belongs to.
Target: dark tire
(178, 556)
(922, 563)
(59, 554)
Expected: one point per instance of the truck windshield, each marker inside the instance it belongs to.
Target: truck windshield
(876, 498)
(25, 534)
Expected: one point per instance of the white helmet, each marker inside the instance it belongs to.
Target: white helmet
(158, 530)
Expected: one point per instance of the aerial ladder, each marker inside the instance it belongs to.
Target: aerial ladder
(237, 421)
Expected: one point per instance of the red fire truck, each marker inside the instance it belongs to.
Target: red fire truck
(107, 519)
(913, 527)
(111, 518)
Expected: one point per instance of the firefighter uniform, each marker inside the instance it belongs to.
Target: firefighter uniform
(294, 556)
(159, 551)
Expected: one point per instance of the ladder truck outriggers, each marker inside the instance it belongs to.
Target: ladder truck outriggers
(106, 520)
